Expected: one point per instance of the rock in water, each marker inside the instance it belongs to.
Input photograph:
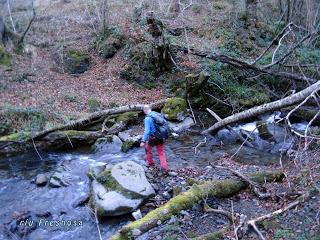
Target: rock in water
(120, 190)
(111, 144)
(129, 140)
(95, 169)
(41, 179)
(178, 127)
(60, 178)
(137, 214)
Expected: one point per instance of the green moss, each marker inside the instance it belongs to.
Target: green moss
(175, 109)
(5, 57)
(185, 200)
(224, 81)
(269, 176)
(127, 117)
(219, 5)
(108, 41)
(20, 136)
(211, 236)
(5, 127)
(75, 133)
(128, 144)
(251, 96)
(94, 104)
(110, 183)
(71, 98)
(76, 61)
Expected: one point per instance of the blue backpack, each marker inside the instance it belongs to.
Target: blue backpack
(161, 124)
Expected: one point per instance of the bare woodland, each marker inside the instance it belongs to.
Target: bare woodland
(231, 61)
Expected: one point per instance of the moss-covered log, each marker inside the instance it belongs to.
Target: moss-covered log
(214, 188)
(22, 141)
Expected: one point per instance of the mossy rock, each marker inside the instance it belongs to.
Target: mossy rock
(111, 184)
(109, 47)
(93, 104)
(120, 189)
(76, 61)
(142, 68)
(5, 57)
(305, 113)
(129, 144)
(127, 117)
(175, 109)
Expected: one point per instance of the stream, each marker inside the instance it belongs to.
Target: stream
(20, 195)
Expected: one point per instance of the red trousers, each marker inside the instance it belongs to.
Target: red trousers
(162, 156)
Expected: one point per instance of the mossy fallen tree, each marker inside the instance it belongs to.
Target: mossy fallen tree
(15, 143)
(213, 188)
(97, 117)
(22, 141)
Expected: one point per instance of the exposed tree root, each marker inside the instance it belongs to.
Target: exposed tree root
(213, 188)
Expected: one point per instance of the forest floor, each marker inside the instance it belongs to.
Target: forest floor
(297, 223)
(35, 81)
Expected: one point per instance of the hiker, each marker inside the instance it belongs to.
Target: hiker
(155, 133)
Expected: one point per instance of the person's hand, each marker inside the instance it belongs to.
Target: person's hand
(141, 144)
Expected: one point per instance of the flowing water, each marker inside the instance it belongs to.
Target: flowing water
(18, 192)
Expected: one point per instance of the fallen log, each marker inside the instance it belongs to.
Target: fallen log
(97, 117)
(267, 107)
(238, 63)
(245, 141)
(185, 200)
(20, 142)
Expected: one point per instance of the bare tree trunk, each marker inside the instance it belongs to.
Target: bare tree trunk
(2, 30)
(288, 19)
(255, 111)
(280, 7)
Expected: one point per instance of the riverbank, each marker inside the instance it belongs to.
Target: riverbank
(187, 165)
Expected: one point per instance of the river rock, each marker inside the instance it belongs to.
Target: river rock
(120, 190)
(95, 169)
(129, 140)
(60, 178)
(41, 179)
(178, 127)
(111, 144)
(137, 214)
(76, 61)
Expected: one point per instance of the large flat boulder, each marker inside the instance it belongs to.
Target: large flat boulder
(131, 176)
(120, 189)
(112, 203)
